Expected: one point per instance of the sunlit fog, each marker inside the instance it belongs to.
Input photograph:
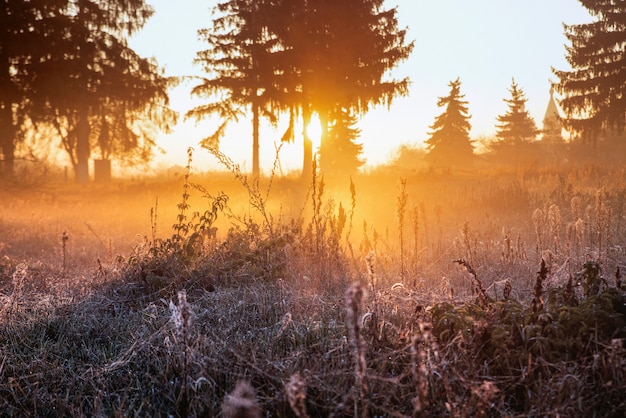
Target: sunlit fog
(310, 208)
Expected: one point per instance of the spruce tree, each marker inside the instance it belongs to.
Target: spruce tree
(336, 54)
(339, 154)
(595, 89)
(516, 126)
(301, 57)
(449, 145)
(92, 87)
(24, 29)
(239, 70)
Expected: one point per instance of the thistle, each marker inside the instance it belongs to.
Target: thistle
(355, 298)
(296, 394)
(182, 318)
(241, 402)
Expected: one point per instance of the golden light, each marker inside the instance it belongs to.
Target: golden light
(314, 131)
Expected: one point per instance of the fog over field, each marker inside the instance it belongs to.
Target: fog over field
(349, 208)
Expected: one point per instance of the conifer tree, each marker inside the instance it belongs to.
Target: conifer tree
(595, 89)
(78, 74)
(449, 144)
(516, 126)
(301, 56)
(339, 154)
(337, 55)
(238, 66)
(24, 26)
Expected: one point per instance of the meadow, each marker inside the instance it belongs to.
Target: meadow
(490, 292)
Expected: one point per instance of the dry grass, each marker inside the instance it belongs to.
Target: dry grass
(317, 299)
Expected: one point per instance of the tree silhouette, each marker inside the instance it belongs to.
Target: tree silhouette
(335, 55)
(339, 154)
(81, 77)
(516, 126)
(449, 144)
(237, 63)
(300, 56)
(595, 90)
(96, 83)
(23, 29)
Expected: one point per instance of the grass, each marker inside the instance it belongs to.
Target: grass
(492, 293)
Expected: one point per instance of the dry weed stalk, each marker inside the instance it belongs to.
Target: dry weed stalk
(153, 220)
(256, 200)
(369, 262)
(478, 287)
(241, 402)
(17, 280)
(64, 238)
(182, 318)
(600, 215)
(416, 225)
(355, 300)
(507, 252)
(401, 211)
(521, 252)
(554, 220)
(425, 359)
(182, 225)
(570, 239)
(538, 223)
(284, 323)
(485, 395)
(576, 206)
(296, 394)
(507, 289)
(465, 234)
(419, 367)
(352, 208)
(537, 302)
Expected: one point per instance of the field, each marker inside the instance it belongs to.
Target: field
(482, 293)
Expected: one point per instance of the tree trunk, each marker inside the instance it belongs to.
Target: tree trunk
(323, 138)
(8, 154)
(255, 141)
(307, 163)
(7, 142)
(82, 148)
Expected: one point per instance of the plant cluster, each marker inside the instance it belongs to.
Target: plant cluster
(283, 316)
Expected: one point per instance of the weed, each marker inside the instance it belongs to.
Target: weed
(182, 319)
(401, 212)
(64, 239)
(537, 302)
(477, 285)
(241, 402)
(296, 394)
(355, 299)
(285, 335)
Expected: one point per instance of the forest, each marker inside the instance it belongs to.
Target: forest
(467, 278)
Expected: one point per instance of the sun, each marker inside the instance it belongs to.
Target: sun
(314, 131)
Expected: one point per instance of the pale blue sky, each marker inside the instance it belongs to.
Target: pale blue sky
(484, 42)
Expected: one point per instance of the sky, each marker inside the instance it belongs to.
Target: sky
(486, 43)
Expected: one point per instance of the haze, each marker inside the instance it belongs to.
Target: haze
(484, 42)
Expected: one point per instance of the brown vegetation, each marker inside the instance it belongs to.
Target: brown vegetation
(338, 299)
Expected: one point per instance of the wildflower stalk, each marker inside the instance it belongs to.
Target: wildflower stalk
(477, 284)
(355, 298)
(401, 210)
(241, 402)
(296, 394)
(182, 318)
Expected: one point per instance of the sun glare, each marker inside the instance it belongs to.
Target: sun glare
(314, 131)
